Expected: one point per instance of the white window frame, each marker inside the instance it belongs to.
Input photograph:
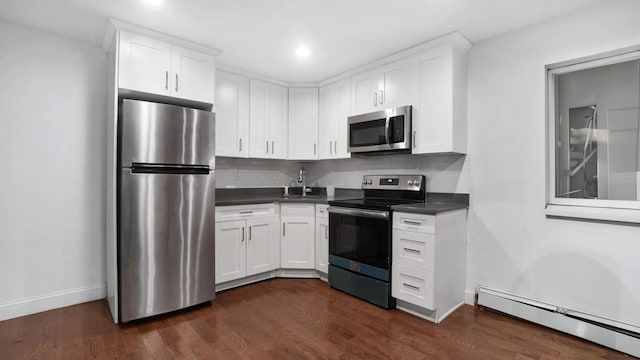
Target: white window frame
(607, 210)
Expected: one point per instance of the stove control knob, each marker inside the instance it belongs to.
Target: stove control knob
(364, 182)
(410, 182)
(369, 182)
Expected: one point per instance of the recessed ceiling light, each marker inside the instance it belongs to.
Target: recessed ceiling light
(303, 51)
(152, 2)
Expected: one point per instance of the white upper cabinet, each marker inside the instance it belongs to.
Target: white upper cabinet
(335, 108)
(399, 84)
(439, 114)
(259, 120)
(193, 75)
(278, 110)
(328, 111)
(144, 64)
(366, 92)
(385, 87)
(157, 67)
(303, 124)
(341, 125)
(267, 121)
(232, 115)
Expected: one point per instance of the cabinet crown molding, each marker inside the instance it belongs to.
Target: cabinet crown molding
(114, 25)
(455, 38)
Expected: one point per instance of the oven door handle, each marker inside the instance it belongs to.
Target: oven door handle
(360, 212)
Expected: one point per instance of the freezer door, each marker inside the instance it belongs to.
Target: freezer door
(152, 133)
(167, 242)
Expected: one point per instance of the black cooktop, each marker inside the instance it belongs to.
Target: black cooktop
(372, 203)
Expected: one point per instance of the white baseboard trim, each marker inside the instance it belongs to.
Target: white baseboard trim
(36, 304)
(563, 319)
(470, 297)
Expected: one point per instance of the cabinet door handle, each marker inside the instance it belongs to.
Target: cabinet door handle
(250, 232)
(314, 148)
(375, 98)
(330, 147)
(381, 97)
(243, 233)
(415, 223)
(407, 250)
(411, 286)
(176, 82)
(267, 142)
(273, 146)
(335, 147)
(240, 145)
(326, 229)
(284, 233)
(414, 138)
(166, 80)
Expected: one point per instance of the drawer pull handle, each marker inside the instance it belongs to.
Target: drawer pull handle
(248, 212)
(415, 223)
(412, 250)
(411, 286)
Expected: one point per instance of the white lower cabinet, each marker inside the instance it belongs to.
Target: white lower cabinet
(247, 241)
(322, 238)
(429, 263)
(297, 248)
(230, 251)
(414, 286)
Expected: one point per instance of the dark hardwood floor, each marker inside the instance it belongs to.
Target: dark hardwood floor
(283, 319)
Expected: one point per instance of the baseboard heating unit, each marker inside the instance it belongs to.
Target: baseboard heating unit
(614, 334)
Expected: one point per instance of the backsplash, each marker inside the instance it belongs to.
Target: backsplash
(253, 173)
(445, 173)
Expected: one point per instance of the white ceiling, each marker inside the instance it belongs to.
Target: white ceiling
(260, 36)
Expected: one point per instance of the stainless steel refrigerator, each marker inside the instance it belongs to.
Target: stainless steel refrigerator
(166, 199)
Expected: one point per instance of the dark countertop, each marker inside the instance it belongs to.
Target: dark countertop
(248, 196)
(436, 202)
(429, 208)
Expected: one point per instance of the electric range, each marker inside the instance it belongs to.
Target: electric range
(360, 236)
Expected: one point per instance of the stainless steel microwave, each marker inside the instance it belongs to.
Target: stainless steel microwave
(381, 131)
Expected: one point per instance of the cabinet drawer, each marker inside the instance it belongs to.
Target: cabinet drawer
(414, 249)
(413, 286)
(229, 213)
(414, 222)
(321, 211)
(298, 210)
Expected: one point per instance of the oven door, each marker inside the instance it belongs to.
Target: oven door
(360, 241)
(381, 130)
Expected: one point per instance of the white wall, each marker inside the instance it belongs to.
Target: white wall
(587, 266)
(52, 125)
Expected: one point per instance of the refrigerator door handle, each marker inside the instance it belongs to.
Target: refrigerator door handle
(141, 168)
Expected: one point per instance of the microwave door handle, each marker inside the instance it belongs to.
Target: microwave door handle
(387, 138)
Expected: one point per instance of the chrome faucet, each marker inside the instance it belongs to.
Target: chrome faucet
(302, 178)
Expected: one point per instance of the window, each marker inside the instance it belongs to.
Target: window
(594, 137)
